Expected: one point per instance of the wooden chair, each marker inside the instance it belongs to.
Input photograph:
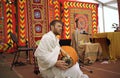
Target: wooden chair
(18, 50)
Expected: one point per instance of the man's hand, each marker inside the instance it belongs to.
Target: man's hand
(61, 64)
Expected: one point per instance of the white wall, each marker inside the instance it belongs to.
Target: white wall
(106, 17)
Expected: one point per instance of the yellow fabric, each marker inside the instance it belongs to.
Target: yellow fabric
(82, 38)
(114, 47)
(82, 45)
(91, 50)
(105, 47)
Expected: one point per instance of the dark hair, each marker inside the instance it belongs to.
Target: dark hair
(52, 23)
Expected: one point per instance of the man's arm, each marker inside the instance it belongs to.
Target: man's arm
(47, 53)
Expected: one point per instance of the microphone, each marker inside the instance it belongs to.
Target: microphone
(84, 32)
(76, 20)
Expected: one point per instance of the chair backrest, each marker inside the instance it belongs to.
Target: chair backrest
(14, 38)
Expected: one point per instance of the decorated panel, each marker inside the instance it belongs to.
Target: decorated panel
(85, 13)
(37, 20)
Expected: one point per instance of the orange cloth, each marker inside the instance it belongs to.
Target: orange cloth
(70, 52)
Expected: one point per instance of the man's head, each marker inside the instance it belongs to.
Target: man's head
(56, 26)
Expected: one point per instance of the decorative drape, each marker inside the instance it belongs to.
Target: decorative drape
(87, 13)
(29, 19)
(14, 22)
(54, 10)
(37, 20)
(9, 24)
(37, 14)
(22, 22)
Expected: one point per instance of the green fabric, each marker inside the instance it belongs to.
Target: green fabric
(37, 42)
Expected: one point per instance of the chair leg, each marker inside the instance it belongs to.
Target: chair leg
(82, 65)
(26, 54)
(14, 60)
(27, 57)
(19, 63)
(17, 58)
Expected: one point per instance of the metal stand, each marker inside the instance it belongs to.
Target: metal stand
(82, 65)
(90, 71)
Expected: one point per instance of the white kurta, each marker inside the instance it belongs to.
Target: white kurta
(47, 55)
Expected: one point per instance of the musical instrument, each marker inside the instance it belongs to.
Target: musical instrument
(69, 55)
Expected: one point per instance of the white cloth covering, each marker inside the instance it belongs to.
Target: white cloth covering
(47, 55)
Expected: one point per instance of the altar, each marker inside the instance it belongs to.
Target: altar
(114, 47)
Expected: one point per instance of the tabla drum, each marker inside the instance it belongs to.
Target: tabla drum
(69, 55)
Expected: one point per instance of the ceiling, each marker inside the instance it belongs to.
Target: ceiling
(108, 3)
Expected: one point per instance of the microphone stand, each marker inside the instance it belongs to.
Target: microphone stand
(90, 71)
(82, 66)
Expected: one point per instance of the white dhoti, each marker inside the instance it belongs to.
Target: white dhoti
(73, 72)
